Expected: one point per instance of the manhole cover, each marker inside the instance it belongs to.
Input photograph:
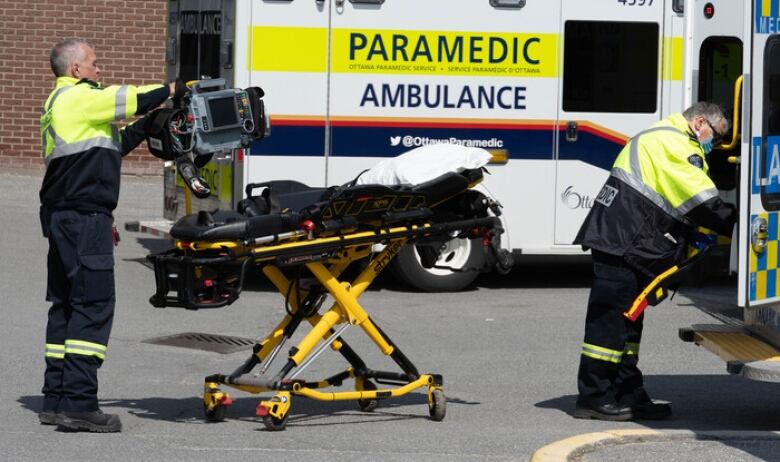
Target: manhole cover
(209, 342)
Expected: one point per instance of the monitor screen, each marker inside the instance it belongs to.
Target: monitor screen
(223, 111)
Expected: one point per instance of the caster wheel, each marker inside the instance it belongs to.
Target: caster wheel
(273, 424)
(368, 405)
(215, 414)
(438, 406)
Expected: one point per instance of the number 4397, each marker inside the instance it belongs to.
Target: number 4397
(636, 2)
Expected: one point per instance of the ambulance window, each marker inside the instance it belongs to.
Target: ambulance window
(720, 64)
(610, 66)
(770, 166)
(199, 41)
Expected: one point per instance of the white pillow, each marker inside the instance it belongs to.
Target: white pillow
(425, 163)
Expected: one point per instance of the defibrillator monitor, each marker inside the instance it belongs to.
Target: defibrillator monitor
(208, 119)
(225, 118)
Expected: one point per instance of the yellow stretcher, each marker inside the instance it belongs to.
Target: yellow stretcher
(317, 243)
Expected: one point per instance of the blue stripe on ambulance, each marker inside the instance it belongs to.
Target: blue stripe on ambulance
(525, 143)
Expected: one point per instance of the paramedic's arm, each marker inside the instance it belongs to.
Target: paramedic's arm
(119, 102)
(704, 206)
(151, 99)
(715, 215)
(132, 135)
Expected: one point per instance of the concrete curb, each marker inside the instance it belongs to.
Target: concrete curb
(571, 449)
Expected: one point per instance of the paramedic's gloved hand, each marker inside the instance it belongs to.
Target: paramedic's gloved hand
(178, 89)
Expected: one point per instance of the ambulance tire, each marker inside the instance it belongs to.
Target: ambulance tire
(457, 253)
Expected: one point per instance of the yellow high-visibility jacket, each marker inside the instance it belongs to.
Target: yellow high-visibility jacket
(82, 148)
(657, 190)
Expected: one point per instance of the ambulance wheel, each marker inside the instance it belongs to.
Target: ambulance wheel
(368, 405)
(215, 414)
(273, 424)
(456, 253)
(438, 407)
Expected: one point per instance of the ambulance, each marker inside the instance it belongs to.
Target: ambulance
(552, 88)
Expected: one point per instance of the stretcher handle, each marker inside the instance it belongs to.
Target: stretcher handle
(657, 291)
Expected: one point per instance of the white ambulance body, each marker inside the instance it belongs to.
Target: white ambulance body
(552, 88)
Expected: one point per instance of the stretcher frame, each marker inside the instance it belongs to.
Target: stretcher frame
(326, 258)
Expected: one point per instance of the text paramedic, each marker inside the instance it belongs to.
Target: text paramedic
(443, 49)
(443, 96)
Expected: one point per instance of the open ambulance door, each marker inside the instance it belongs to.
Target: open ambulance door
(200, 43)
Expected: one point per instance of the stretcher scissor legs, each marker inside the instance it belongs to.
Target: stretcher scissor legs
(303, 304)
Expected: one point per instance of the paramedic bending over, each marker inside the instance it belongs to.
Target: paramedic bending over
(83, 153)
(637, 229)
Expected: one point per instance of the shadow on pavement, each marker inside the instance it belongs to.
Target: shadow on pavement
(304, 412)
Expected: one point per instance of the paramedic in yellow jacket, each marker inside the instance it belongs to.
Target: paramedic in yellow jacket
(83, 153)
(657, 190)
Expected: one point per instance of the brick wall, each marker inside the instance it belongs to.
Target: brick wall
(129, 39)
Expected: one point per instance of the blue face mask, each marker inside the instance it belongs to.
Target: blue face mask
(706, 145)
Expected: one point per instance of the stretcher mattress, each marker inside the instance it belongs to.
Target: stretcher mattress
(327, 208)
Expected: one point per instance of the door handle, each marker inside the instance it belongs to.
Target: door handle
(758, 234)
(735, 135)
(571, 131)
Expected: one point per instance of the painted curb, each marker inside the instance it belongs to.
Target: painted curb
(570, 448)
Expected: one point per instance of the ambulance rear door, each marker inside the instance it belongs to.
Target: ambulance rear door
(611, 88)
(200, 44)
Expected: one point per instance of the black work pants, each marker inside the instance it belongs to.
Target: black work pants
(608, 370)
(81, 290)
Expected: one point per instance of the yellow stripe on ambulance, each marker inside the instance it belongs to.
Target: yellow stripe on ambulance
(405, 52)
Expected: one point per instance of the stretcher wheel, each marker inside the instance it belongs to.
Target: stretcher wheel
(215, 414)
(368, 405)
(273, 424)
(438, 406)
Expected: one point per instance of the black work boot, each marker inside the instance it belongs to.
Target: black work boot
(94, 421)
(648, 410)
(49, 417)
(609, 411)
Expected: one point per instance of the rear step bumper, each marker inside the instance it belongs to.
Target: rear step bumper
(745, 354)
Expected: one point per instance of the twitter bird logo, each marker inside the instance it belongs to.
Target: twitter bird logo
(395, 140)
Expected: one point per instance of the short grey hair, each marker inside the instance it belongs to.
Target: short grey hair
(65, 53)
(711, 112)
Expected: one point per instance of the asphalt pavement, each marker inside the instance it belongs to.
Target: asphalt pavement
(508, 349)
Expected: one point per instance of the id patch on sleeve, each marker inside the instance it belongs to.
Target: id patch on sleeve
(607, 195)
(696, 161)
